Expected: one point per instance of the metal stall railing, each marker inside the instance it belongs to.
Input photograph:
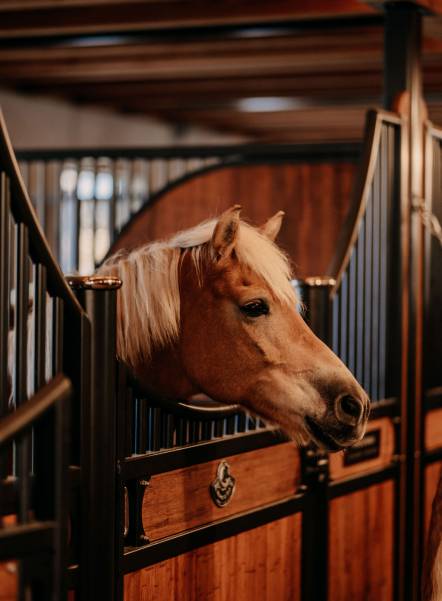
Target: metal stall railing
(37, 310)
(83, 198)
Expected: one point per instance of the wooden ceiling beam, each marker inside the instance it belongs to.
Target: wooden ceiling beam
(44, 18)
(191, 68)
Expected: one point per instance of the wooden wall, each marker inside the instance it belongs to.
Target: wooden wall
(314, 196)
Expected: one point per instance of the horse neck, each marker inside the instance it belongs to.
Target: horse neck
(163, 375)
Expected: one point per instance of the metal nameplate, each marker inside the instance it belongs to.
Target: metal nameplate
(367, 448)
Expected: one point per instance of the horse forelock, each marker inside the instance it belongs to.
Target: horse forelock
(148, 305)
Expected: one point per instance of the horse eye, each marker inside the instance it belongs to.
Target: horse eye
(255, 308)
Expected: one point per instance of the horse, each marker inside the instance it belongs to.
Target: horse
(212, 311)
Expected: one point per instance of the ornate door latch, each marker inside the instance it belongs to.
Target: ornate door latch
(223, 487)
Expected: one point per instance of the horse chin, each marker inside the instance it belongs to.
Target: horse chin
(323, 439)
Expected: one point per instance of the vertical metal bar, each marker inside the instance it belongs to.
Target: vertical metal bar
(40, 325)
(368, 283)
(99, 451)
(385, 192)
(142, 425)
(351, 311)
(375, 290)
(343, 293)
(5, 376)
(403, 73)
(21, 324)
(360, 298)
(57, 333)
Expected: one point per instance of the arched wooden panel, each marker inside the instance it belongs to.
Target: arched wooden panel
(262, 564)
(315, 198)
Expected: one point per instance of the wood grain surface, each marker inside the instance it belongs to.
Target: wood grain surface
(338, 469)
(8, 581)
(361, 545)
(315, 198)
(178, 500)
(433, 429)
(432, 473)
(263, 564)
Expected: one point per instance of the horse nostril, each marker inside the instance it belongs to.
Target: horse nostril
(349, 409)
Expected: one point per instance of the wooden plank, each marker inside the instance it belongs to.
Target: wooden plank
(361, 559)
(433, 429)
(262, 564)
(431, 480)
(125, 16)
(180, 500)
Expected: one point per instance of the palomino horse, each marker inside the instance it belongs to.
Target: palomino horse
(212, 311)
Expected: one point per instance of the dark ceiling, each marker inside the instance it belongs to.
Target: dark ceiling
(273, 71)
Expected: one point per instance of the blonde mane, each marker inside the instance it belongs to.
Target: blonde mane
(148, 304)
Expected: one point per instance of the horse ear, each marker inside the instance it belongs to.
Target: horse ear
(271, 227)
(225, 233)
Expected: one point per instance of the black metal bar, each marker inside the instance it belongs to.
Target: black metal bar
(100, 516)
(40, 325)
(61, 426)
(171, 459)
(315, 527)
(22, 445)
(141, 557)
(336, 151)
(20, 421)
(57, 335)
(403, 25)
(5, 377)
(359, 482)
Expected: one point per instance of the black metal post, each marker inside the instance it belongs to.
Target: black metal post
(403, 92)
(315, 295)
(99, 516)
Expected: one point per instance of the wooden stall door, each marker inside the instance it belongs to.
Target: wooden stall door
(263, 564)
(361, 545)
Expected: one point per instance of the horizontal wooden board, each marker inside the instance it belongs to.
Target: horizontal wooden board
(263, 564)
(433, 430)
(179, 500)
(361, 558)
(381, 429)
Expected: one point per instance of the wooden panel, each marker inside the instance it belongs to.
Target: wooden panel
(8, 581)
(361, 545)
(433, 429)
(179, 500)
(315, 198)
(380, 427)
(263, 564)
(432, 473)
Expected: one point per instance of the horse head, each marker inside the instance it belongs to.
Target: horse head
(221, 318)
